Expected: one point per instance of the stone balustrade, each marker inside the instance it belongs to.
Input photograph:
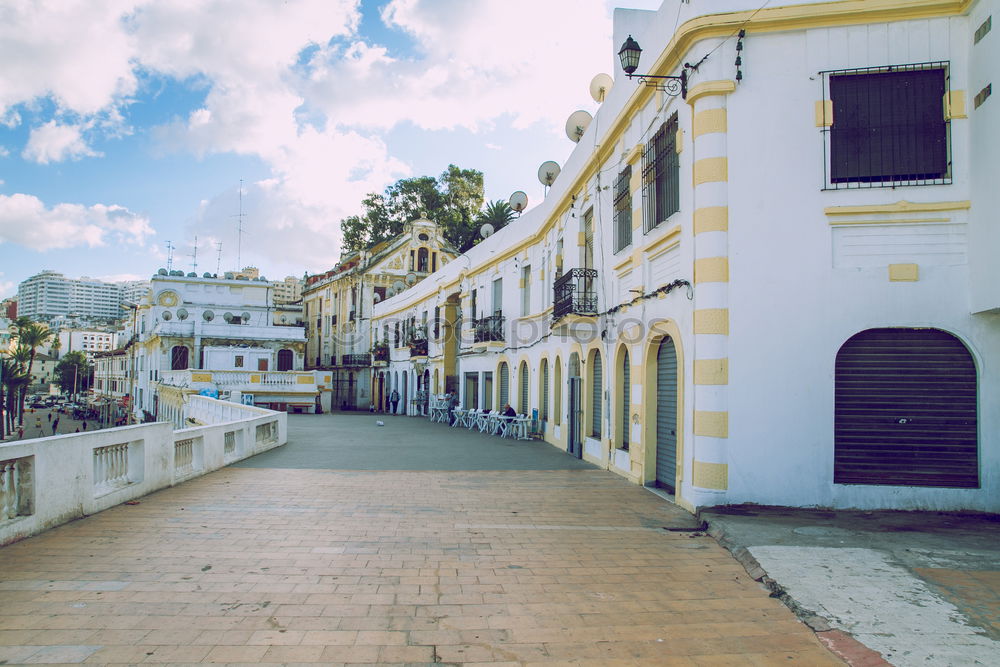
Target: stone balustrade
(45, 482)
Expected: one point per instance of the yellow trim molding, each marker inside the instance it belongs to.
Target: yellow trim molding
(954, 104)
(824, 113)
(711, 270)
(711, 219)
(887, 221)
(634, 154)
(711, 371)
(720, 87)
(900, 207)
(904, 273)
(711, 321)
(711, 424)
(709, 121)
(624, 264)
(201, 377)
(710, 475)
(671, 237)
(711, 170)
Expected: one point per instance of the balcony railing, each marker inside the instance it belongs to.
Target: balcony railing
(488, 329)
(575, 293)
(418, 347)
(380, 353)
(356, 360)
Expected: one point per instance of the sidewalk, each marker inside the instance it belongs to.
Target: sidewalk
(919, 588)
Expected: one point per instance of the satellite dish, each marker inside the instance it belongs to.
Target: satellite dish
(206, 275)
(548, 172)
(486, 230)
(399, 286)
(208, 316)
(600, 85)
(245, 315)
(182, 313)
(518, 201)
(192, 274)
(577, 124)
(376, 298)
(166, 315)
(411, 278)
(389, 292)
(228, 317)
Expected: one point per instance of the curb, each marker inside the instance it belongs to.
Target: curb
(838, 642)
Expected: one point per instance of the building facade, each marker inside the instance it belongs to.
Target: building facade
(50, 294)
(287, 291)
(768, 280)
(338, 306)
(216, 335)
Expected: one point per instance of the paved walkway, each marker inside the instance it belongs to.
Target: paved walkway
(290, 565)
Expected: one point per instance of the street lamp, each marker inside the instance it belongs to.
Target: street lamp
(671, 85)
(132, 343)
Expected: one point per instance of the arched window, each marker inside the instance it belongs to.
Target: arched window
(504, 381)
(423, 260)
(285, 358)
(905, 410)
(596, 392)
(178, 358)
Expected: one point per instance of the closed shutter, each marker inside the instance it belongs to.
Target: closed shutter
(626, 390)
(523, 409)
(504, 385)
(905, 410)
(545, 390)
(588, 240)
(596, 389)
(666, 414)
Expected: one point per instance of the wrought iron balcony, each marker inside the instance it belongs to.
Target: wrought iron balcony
(380, 353)
(488, 329)
(575, 293)
(356, 360)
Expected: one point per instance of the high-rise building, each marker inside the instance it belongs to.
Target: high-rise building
(288, 290)
(50, 295)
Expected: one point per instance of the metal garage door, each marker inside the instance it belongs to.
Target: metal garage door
(504, 385)
(666, 414)
(596, 389)
(523, 408)
(626, 393)
(905, 410)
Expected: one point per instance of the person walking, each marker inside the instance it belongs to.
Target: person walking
(394, 399)
(55, 425)
(49, 415)
(84, 424)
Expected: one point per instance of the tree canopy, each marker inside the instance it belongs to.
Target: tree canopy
(454, 200)
(73, 372)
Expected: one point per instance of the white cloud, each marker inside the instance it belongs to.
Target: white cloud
(53, 142)
(26, 221)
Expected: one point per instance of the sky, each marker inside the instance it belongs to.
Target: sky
(128, 125)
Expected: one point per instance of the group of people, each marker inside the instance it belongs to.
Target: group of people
(450, 399)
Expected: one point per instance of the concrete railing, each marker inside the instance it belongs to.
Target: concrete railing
(219, 379)
(46, 482)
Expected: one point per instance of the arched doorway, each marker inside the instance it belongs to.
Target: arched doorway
(624, 402)
(666, 414)
(522, 406)
(596, 396)
(404, 399)
(905, 410)
(543, 393)
(285, 360)
(504, 382)
(574, 414)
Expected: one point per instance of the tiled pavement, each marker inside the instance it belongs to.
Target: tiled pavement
(289, 566)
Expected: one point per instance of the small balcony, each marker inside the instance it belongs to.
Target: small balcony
(488, 329)
(380, 353)
(418, 347)
(356, 360)
(575, 293)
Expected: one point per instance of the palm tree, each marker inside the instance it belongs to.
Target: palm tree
(498, 213)
(20, 356)
(12, 376)
(31, 335)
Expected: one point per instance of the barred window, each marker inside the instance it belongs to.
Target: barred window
(889, 127)
(661, 195)
(623, 209)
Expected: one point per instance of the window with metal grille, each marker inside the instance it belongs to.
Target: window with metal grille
(889, 126)
(623, 209)
(661, 193)
(523, 405)
(504, 385)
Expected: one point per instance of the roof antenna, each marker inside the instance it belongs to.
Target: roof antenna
(170, 255)
(239, 231)
(218, 261)
(194, 256)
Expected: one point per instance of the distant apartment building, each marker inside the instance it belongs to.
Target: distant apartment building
(88, 341)
(288, 290)
(8, 308)
(50, 295)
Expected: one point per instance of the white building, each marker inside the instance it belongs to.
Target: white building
(288, 290)
(338, 306)
(217, 334)
(50, 294)
(777, 285)
(88, 341)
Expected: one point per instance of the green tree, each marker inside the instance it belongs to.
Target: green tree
(73, 372)
(497, 213)
(452, 200)
(20, 356)
(12, 377)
